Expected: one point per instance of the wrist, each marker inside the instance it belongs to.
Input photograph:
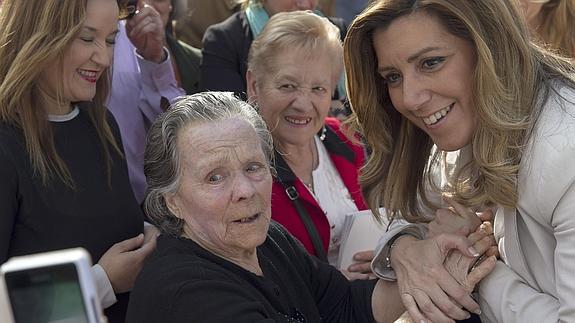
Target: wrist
(396, 247)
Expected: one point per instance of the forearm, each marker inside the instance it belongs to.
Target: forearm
(386, 302)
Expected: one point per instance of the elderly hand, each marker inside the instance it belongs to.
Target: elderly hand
(146, 31)
(123, 261)
(452, 220)
(361, 268)
(469, 271)
(427, 289)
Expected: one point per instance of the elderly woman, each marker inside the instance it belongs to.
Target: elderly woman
(293, 69)
(219, 259)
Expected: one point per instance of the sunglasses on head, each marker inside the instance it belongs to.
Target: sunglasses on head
(128, 10)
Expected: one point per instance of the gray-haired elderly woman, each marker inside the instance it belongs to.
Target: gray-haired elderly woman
(219, 259)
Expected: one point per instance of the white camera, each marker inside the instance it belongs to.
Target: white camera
(51, 287)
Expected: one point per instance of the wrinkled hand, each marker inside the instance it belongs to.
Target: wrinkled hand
(469, 271)
(361, 268)
(427, 289)
(146, 32)
(455, 218)
(123, 261)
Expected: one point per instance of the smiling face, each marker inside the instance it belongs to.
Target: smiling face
(87, 57)
(429, 73)
(295, 100)
(274, 6)
(224, 195)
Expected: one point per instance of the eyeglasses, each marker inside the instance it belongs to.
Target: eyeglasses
(128, 9)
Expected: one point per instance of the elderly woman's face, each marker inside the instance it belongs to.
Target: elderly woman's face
(224, 195)
(275, 6)
(296, 99)
(429, 74)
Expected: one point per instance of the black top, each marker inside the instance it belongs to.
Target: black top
(182, 282)
(225, 54)
(188, 60)
(96, 215)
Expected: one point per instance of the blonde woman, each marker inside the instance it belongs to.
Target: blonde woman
(64, 179)
(429, 78)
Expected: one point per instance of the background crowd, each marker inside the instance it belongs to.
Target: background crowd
(455, 116)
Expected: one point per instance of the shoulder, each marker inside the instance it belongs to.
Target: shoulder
(547, 169)
(339, 129)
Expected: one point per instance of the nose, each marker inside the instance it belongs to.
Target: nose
(302, 100)
(243, 188)
(416, 91)
(306, 4)
(102, 55)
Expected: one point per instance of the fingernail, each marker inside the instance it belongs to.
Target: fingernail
(478, 312)
(473, 251)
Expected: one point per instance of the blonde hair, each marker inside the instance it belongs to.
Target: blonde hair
(34, 35)
(300, 30)
(558, 26)
(509, 74)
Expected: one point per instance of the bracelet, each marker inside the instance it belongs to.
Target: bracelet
(392, 244)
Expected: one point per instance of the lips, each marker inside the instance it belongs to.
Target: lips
(88, 75)
(248, 219)
(437, 116)
(298, 121)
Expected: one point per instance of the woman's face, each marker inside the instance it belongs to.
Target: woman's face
(294, 100)
(87, 57)
(225, 188)
(275, 6)
(429, 74)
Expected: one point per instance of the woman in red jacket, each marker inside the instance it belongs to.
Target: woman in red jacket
(293, 69)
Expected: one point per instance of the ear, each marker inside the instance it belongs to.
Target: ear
(172, 204)
(252, 86)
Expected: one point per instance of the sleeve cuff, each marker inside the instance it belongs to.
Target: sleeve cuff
(103, 286)
(399, 227)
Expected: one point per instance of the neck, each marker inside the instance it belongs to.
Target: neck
(53, 106)
(302, 159)
(247, 259)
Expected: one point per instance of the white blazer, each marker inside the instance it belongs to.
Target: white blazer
(535, 281)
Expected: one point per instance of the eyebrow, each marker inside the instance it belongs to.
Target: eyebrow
(92, 29)
(411, 58)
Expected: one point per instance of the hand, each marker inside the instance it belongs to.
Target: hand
(453, 219)
(146, 31)
(469, 271)
(361, 269)
(427, 289)
(123, 261)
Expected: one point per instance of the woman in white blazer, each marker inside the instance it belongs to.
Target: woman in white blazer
(429, 79)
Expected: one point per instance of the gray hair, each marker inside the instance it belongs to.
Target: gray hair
(162, 159)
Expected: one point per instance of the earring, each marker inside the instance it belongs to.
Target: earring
(322, 135)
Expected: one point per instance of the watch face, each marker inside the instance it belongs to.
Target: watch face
(46, 295)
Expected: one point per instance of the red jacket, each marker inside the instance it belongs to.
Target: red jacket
(347, 158)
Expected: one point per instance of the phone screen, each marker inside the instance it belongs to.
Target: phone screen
(46, 295)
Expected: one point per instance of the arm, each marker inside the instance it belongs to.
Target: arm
(8, 202)
(146, 32)
(506, 297)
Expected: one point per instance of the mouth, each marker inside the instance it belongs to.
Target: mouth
(248, 219)
(437, 116)
(298, 121)
(89, 76)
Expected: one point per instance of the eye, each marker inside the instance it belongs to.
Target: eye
(391, 78)
(87, 39)
(319, 90)
(111, 41)
(254, 167)
(287, 87)
(215, 178)
(432, 63)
